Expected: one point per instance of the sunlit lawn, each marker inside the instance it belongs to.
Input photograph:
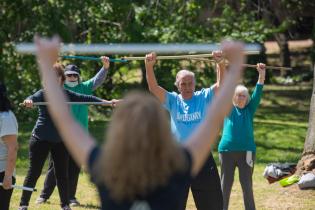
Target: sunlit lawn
(280, 128)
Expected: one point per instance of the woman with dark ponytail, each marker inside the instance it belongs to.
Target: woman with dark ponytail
(8, 148)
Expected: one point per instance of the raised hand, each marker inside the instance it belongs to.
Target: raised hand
(217, 55)
(233, 52)
(47, 50)
(150, 59)
(261, 68)
(105, 61)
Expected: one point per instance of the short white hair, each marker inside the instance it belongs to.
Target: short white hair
(242, 89)
(181, 74)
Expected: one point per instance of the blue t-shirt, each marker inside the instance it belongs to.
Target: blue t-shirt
(186, 115)
(168, 197)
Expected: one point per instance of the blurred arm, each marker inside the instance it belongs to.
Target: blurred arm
(77, 141)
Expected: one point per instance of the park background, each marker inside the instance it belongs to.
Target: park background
(285, 29)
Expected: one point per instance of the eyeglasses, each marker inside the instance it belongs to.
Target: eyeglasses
(241, 95)
(71, 75)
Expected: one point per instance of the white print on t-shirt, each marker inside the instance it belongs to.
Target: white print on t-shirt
(140, 205)
(188, 117)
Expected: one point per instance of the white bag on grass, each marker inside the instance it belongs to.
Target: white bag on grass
(307, 181)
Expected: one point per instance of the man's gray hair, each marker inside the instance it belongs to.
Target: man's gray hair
(181, 74)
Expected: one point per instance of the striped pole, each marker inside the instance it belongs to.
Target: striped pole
(171, 57)
(90, 58)
(72, 103)
(247, 65)
(21, 187)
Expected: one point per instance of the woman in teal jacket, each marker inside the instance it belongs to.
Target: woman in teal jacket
(237, 146)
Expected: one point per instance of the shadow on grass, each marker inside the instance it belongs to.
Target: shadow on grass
(276, 147)
(90, 206)
(279, 142)
(286, 100)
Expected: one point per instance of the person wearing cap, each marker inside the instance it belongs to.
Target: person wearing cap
(80, 112)
(8, 148)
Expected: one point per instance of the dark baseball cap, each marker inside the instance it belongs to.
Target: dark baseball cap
(72, 69)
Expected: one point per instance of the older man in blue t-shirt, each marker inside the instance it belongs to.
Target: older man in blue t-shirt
(187, 110)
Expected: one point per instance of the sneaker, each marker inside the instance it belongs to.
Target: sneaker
(40, 200)
(74, 202)
(22, 208)
(66, 208)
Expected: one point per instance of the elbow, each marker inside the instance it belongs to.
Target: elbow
(154, 91)
(151, 89)
(16, 147)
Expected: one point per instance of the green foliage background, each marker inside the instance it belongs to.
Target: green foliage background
(123, 21)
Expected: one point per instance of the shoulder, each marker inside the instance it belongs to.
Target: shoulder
(8, 124)
(73, 92)
(69, 92)
(6, 115)
(172, 96)
(205, 92)
(86, 86)
(86, 83)
(39, 92)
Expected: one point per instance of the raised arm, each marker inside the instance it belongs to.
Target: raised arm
(200, 143)
(257, 93)
(261, 68)
(158, 91)
(220, 68)
(99, 78)
(77, 141)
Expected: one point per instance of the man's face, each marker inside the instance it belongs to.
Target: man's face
(72, 77)
(186, 86)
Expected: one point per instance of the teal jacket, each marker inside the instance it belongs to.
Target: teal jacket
(238, 132)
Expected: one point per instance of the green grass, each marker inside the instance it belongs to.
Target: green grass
(280, 129)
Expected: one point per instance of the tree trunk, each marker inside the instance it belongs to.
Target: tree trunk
(144, 84)
(285, 60)
(309, 146)
(307, 162)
